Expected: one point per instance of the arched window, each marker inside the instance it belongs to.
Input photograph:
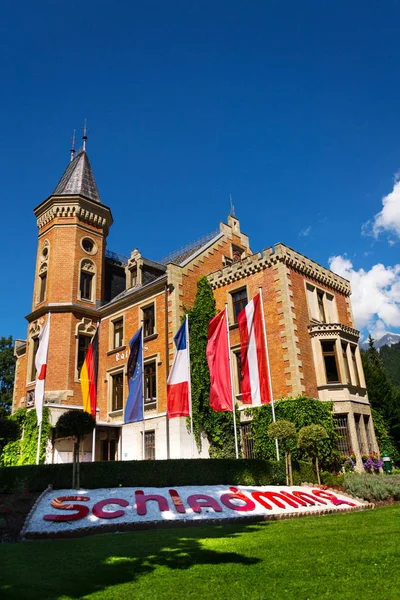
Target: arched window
(86, 281)
(42, 272)
(42, 282)
(84, 333)
(34, 331)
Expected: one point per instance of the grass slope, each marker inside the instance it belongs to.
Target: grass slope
(346, 556)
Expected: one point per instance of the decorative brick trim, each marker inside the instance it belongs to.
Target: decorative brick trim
(88, 212)
(329, 329)
(272, 256)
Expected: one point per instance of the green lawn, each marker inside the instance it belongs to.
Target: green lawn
(352, 556)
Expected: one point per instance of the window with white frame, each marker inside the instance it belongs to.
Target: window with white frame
(321, 305)
(117, 391)
(150, 385)
(329, 353)
(86, 281)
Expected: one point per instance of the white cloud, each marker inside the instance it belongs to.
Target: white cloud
(375, 294)
(305, 232)
(388, 219)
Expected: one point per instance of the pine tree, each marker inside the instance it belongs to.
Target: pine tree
(218, 427)
(380, 390)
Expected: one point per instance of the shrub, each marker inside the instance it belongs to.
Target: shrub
(303, 472)
(372, 487)
(332, 479)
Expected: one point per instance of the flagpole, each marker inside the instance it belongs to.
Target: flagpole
(230, 372)
(268, 367)
(93, 443)
(144, 428)
(189, 382)
(40, 424)
(38, 446)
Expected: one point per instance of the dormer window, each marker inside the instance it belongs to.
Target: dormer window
(237, 253)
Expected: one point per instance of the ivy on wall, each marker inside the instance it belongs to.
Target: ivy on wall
(301, 411)
(217, 427)
(23, 451)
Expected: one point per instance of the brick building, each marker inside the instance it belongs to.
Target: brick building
(313, 345)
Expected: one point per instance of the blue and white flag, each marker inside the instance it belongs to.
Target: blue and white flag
(134, 403)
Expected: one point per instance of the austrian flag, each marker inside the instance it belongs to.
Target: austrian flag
(41, 366)
(255, 379)
(178, 388)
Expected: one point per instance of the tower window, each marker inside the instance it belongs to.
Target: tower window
(42, 286)
(88, 245)
(35, 342)
(86, 285)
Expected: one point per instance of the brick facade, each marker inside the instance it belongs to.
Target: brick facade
(294, 336)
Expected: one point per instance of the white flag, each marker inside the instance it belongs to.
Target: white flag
(41, 365)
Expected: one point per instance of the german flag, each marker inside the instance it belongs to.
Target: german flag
(89, 376)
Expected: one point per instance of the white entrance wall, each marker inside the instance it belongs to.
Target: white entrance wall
(181, 445)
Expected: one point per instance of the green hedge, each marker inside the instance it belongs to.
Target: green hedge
(158, 473)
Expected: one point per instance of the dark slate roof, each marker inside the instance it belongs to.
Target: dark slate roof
(178, 257)
(78, 179)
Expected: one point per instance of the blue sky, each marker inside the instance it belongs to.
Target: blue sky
(291, 107)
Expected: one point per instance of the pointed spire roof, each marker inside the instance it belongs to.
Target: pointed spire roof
(78, 179)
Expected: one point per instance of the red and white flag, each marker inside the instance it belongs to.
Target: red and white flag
(41, 366)
(218, 364)
(255, 378)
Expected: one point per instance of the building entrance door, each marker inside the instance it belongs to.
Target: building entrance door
(108, 443)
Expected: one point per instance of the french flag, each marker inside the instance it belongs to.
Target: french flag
(178, 383)
(256, 387)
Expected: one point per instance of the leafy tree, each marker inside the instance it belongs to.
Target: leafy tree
(76, 424)
(285, 432)
(218, 427)
(23, 451)
(311, 439)
(7, 373)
